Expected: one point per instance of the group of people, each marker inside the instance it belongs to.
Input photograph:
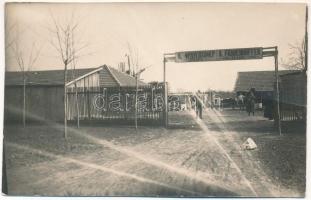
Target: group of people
(247, 101)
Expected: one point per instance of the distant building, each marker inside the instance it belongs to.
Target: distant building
(45, 90)
(263, 82)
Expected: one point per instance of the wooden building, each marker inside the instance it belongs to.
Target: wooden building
(45, 91)
(264, 83)
(107, 95)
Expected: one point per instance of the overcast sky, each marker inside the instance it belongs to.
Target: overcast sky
(157, 28)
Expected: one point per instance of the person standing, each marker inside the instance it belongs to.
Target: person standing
(199, 108)
(250, 108)
(241, 101)
(193, 103)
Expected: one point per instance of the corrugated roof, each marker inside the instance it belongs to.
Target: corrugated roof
(109, 77)
(47, 77)
(260, 80)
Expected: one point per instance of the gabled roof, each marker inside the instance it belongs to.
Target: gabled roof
(46, 77)
(109, 77)
(260, 80)
(122, 79)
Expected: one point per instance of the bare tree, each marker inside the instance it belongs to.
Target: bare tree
(68, 47)
(133, 58)
(9, 38)
(24, 58)
(74, 62)
(296, 58)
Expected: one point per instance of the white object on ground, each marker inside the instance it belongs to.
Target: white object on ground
(249, 144)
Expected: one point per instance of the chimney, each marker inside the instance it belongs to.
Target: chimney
(121, 67)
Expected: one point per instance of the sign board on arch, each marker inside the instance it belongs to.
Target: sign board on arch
(219, 55)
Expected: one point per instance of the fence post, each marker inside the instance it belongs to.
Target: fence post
(88, 104)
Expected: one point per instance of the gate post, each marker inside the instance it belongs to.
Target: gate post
(278, 120)
(165, 115)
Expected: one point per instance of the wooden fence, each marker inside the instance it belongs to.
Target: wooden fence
(116, 104)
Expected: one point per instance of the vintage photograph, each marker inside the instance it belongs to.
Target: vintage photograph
(155, 99)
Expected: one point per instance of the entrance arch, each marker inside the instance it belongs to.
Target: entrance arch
(223, 55)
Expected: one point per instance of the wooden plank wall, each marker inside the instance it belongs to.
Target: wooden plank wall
(293, 97)
(115, 104)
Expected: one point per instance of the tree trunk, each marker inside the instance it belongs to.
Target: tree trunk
(65, 102)
(24, 101)
(77, 104)
(136, 106)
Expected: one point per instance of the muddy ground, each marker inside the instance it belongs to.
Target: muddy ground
(193, 158)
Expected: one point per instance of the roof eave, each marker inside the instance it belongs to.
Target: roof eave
(83, 76)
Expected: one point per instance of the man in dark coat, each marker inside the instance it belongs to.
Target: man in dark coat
(199, 108)
(250, 104)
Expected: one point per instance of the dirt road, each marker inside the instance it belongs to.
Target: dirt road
(191, 158)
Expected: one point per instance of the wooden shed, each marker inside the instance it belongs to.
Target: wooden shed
(262, 81)
(45, 91)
